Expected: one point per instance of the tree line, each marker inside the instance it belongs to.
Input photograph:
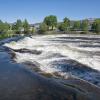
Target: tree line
(49, 23)
(17, 28)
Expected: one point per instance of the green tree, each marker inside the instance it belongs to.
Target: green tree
(17, 27)
(1, 26)
(26, 26)
(96, 26)
(32, 30)
(51, 21)
(66, 21)
(6, 26)
(43, 28)
(93, 27)
(13, 28)
(62, 27)
(76, 25)
(84, 25)
(65, 25)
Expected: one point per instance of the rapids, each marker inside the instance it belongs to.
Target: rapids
(62, 56)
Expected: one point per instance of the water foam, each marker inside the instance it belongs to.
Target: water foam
(49, 45)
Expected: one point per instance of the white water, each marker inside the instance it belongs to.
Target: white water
(48, 47)
(57, 50)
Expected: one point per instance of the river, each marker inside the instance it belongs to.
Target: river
(53, 67)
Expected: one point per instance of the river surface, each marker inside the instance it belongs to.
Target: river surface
(53, 67)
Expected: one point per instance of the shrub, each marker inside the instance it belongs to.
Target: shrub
(43, 28)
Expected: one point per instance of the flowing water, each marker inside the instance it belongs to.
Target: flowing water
(59, 56)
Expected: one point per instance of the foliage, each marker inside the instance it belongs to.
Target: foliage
(4, 27)
(76, 25)
(65, 25)
(1, 26)
(96, 26)
(26, 26)
(62, 27)
(17, 27)
(84, 25)
(43, 28)
(51, 21)
(32, 30)
(6, 34)
(66, 21)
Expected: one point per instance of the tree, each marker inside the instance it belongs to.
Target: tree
(76, 25)
(13, 27)
(51, 21)
(1, 26)
(65, 25)
(4, 27)
(43, 28)
(17, 27)
(32, 30)
(62, 27)
(66, 21)
(84, 25)
(26, 26)
(96, 26)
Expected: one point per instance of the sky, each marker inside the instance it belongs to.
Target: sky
(35, 10)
